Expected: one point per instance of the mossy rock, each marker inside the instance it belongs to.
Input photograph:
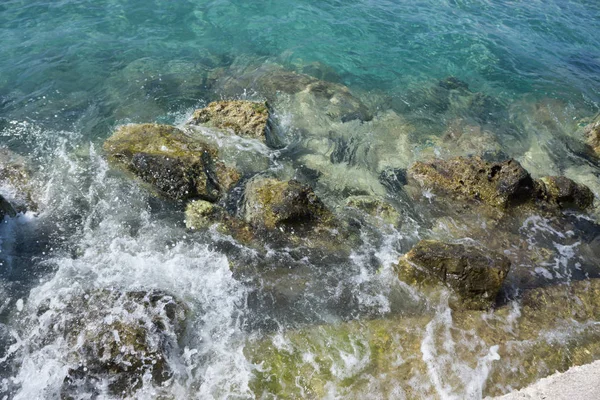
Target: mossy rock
(245, 118)
(566, 193)
(16, 180)
(271, 203)
(474, 274)
(118, 337)
(375, 207)
(499, 184)
(592, 135)
(173, 163)
(403, 357)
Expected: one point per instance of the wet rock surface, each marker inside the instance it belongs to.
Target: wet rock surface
(16, 183)
(175, 164)
(245, 118)
(502, 184)
(474, 274)
(271, 203)
(116, 339)
(566, 194)
(592, 135)
(519, 352)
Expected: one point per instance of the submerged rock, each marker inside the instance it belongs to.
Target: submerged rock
(375, 207)
(384, 358)
(245, 118)
(175, 164)
(116, 339)
(271, 203)
(474, 274)
(500, 184)
(270, 80)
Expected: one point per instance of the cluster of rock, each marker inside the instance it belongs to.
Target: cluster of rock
(261, 208)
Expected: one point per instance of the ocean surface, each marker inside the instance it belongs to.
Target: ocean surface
(72, 70)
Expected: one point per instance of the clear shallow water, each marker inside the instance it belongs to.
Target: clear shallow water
(70, 71)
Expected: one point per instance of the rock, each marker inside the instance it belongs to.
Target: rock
(245, 118)
(453, 83)
(375, 207)
(270, 80)
(117, 338)
(409, 357)
(175, 164)
(201, 214)
(6, 209)
(16, 184)
(321, 71)
(501, 184)
(566, 193)
(474, 274)
(272, 203)
(592, 135)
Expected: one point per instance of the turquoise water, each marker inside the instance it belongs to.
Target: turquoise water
(58, 56)
(70, 71)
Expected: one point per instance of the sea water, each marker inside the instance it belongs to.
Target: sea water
(71, 71)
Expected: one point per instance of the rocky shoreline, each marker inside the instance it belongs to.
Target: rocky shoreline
(308, 191)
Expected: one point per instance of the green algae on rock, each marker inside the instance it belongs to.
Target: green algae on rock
(503, 184)
(500, 184)
(592, 135)
(245, 118)
(385, 357)
(376, 207)
(175, 164)
(474, 274)
(271, 203)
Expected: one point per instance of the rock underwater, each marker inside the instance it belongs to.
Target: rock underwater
(474, 274)
(385, 357)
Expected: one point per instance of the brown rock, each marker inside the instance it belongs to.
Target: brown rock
(244, 118)
(474, 274)
(500, 184)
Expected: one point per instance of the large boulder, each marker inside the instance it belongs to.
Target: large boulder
(272, 203)
(175, 164)
(503, 184)
(474, 274)
(245, 118)
(500, 184)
